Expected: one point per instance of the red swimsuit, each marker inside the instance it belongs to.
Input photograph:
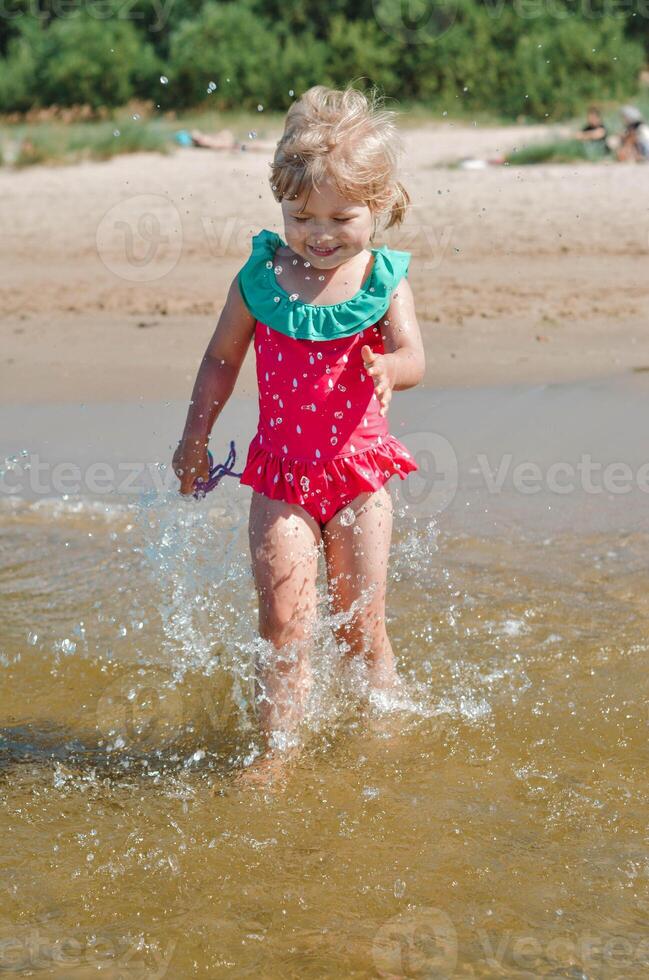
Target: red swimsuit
(320, 440)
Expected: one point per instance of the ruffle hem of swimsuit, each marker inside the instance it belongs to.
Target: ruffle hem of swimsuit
(310, 483)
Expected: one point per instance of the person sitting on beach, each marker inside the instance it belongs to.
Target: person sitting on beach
(594, 131)
(633, 143)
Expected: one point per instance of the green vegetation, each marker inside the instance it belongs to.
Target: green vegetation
(59, 143)
(508, 57)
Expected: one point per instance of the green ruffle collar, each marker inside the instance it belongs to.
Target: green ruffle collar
(272, 305)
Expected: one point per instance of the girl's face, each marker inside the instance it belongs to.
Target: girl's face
(324, 228)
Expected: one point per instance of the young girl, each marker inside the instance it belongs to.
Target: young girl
(335, 334)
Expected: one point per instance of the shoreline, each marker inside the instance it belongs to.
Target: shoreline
(493, 455)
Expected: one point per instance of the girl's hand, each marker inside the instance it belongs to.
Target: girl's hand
(190, 462)
(379, 367)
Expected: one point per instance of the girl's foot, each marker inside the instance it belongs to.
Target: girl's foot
(269, 769)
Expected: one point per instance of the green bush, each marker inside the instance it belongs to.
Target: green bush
(360, 48)
(229, 46)
(476, 55)
(94, 61)
(537, 67)
(19, 70)
(561, 67)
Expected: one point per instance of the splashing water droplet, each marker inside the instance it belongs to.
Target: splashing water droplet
(164, 80)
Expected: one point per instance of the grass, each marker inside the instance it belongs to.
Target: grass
(555, 151)
(52, 142)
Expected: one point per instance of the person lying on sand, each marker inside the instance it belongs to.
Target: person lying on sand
(223, 140)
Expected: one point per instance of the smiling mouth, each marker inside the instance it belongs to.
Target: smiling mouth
(323, 251)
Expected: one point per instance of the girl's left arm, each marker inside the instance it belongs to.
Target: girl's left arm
(402, 340)
(404, 362)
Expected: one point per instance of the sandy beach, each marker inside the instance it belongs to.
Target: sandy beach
(115, 273)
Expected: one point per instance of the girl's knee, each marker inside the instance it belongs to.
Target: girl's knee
(282, 622)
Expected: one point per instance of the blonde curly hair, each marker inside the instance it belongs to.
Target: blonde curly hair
(346, 136)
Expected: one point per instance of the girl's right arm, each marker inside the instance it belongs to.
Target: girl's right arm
(214, 383)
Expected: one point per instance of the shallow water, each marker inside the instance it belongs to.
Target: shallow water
(492, 825)
(498, 824)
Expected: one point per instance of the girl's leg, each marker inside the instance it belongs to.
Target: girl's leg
(357, 564)
(284, 541)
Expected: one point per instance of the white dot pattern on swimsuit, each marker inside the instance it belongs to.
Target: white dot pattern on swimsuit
(316, 390)
(329, 442)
